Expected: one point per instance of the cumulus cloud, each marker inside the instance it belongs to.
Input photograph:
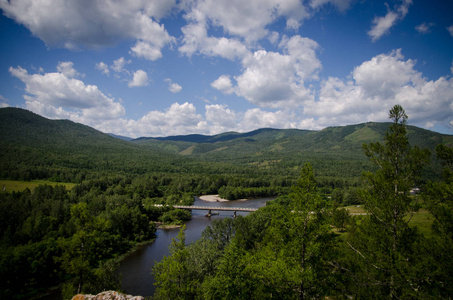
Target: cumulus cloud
(274, 79)
(223, 84)
(66, 68)
(177, 119)
(173, 87)
(221, 119)
(424, 28)
(246, 19)
(103, 67)
(256, 118)
(140, 78)
(118, 64)
(382, 25)
(92, 23)
(59, 95)
(146, 50)
(196, 40)
(378, 84)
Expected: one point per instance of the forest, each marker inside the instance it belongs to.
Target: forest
(289, 250)
(304, 244)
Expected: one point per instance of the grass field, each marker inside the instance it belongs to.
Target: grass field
(18, 186)
(355, 209)
(421, 219)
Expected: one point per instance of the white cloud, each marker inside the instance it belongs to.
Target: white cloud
(378, 84)
(3, 102)
(256, 118)
(174, 88)
(341, 5)
(382, 25)
(450, 30)
(196, 40)
(103, 67)
(180, 119)
(146, 50)
(58, 95)
(384, 74)
(66, 68)
(221, 119)
(246, 19)
(71, 24)
(140, 78)
(177, 119)
(424, 28)
(223, 84)
(118, 64)
(276, 80)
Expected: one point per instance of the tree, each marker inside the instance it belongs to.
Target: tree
(439, 202)
(384, 243)
(312, 238)
(81, 252)
(173, 274)
(292, 261)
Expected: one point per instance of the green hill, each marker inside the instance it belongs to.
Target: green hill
(333, 151)
(34, 147)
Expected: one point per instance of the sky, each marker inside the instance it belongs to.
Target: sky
(167, 67)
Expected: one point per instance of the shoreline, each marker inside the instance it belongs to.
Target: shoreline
(212, 198)
(216, 198)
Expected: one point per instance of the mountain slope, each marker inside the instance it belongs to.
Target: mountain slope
(34, 147)
(333, 150)
(31, 143)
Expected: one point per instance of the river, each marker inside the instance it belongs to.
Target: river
(136, 268)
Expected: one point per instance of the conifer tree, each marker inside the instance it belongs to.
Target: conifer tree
(384, 243)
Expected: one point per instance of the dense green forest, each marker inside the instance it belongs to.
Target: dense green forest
(52, 235)
(289, 250)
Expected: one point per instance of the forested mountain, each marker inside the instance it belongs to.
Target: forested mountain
(34, 147)
(346, 138)
(332, 151)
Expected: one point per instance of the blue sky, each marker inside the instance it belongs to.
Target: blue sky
(167, 67)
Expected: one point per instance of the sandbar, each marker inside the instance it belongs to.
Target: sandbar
(212, 198)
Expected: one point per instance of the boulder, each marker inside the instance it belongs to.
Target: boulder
(107, 295)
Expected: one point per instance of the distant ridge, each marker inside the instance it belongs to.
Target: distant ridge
(124, 138)
(29, 141)
(222, 137)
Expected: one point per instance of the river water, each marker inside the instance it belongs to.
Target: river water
(136, 268)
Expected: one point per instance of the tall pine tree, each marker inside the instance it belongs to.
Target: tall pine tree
(383, 244)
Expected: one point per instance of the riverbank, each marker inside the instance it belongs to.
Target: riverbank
(160, 225)
(216, 198)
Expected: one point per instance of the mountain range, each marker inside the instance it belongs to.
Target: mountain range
(31, 141)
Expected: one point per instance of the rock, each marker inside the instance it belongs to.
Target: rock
(107, 295)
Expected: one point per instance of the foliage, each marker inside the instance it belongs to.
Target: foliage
(384, 244)
(439, 201)
(274, 251)
(49, 234)
(286, 249)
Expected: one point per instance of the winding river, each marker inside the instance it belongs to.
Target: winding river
(136, 268)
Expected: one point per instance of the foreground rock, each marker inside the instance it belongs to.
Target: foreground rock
(107, 295)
